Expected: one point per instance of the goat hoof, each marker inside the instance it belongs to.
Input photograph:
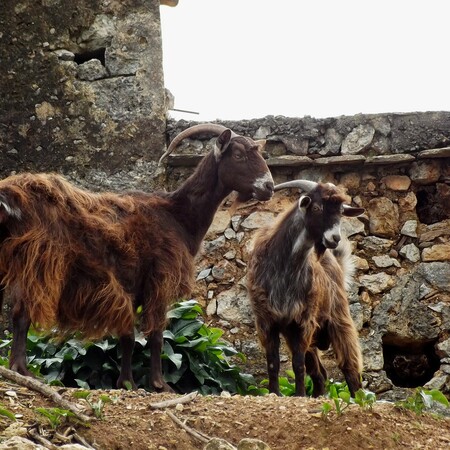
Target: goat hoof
(162, 386)
(318, 393)
(277, 393)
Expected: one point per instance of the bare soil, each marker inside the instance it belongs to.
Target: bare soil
(130, 422)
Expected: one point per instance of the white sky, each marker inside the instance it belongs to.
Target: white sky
(245, 59)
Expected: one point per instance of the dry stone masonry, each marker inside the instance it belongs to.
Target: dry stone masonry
(397, 167)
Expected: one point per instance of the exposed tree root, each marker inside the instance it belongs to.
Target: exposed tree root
(47, 391)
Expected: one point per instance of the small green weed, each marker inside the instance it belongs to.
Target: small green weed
(55, 415)
(97, 406)
(6, 413)
(423, 399)
(341, 398)
(397, 437)
(365, 398)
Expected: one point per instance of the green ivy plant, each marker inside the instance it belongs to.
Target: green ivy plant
(194, 357)
(287, 385)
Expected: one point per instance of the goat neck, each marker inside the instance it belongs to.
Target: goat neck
(298, 239)
(289, 240)
(196, 201)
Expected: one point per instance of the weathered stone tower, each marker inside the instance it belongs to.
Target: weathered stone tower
(82, 88)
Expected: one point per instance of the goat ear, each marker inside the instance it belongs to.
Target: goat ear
(351, 211)
(304, 202)
(223, 141)
(261, 143)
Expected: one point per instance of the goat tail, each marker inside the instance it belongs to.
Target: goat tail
(344, 337)
(345, 259)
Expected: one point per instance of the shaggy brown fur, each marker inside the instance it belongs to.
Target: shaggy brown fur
(297, 288)
(76, 256)
(82, 261)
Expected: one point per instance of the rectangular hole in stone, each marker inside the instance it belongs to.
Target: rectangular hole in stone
(83, 57)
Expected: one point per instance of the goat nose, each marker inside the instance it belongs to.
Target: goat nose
(336, 238)
(269, 186)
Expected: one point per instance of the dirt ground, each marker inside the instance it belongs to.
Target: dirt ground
(131, 422)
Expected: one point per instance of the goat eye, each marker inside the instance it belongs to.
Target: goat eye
(316, 208)
(239, 156)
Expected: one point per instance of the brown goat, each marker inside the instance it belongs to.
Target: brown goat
(297, 279)
(85, 261)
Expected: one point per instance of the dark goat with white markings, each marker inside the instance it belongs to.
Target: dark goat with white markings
(84, 261)
(298, 274)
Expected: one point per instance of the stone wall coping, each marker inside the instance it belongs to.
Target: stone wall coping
(389, 159)
(190, 160)
(341, 160)
(290, 161)
(435, 153)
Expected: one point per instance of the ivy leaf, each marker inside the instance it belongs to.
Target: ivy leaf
(326, 408)
(82, 384)
(186, 328)
(177, 359)
(438, 396)
(186, 310)
(345, 396)
(103, 345)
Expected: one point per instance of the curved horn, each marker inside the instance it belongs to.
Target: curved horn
(212, 128)
(304, 185)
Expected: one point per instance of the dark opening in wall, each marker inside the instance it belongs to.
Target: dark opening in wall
(83, 57)
(409, 363)
(430, 208)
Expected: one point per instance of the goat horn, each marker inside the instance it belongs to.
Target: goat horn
(211, 128)
(304, 185)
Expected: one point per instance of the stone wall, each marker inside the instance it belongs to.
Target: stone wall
(82, 89)
(397, 167)
(83, 94)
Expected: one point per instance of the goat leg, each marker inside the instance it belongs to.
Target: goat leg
(20, 324)
(298, 366)
(272, 346)
(316, 371)
(126, 373)
(156, 377)
(295, 338)
(353, 379)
